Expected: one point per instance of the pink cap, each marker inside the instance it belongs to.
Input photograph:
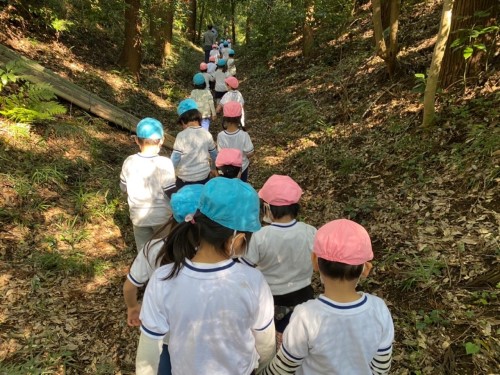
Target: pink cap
(232, 109)
(229, 156)
(211, 58)
(203, 66)
(343, 241)
(280, 191)
(232, 82)
(215, 46)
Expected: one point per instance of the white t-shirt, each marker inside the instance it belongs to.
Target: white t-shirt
(208, 78)
(338, 338)
(145, 179)
(282, 251)
(239, 140)
(219, 77)
(145, 263)
(211, 67)
(194, 145)
(231, 66)
(232, 96)
(210, 312)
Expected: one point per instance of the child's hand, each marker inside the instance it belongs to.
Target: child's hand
(133, 316)
(214, 173)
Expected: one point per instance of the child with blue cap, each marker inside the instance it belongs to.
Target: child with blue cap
(220, 76)
(231, 65)
(204, 100)
(194, 151)
(184, 204)
(148, 179)
(217, 312)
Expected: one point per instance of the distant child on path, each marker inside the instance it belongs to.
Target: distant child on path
(229, 162)
(194, 148)
(218, 312)
(206, 75)
(234, 137)
(148, 179)
(219, 76)
(282, 250)
(231, 65)
(232, 95)
(342, 331)
(204, 100)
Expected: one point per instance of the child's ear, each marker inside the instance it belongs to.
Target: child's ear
(237, 243)
(367, 267)
(314, 260)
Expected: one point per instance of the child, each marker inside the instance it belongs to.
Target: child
(211, 67)
(233, 137)
(194, 148)
(233, 95)
(204, 100)
(342, 331)
(229, 162)
(203, 70)
(231, 66)
(225, 50)
(184, 203)
(217, 312)
(148, 179)
(215, 52)
(219, 76)
(282, 250)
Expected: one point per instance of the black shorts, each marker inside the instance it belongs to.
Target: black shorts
(219, 94)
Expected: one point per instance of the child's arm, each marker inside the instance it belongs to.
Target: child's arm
(381, 363)
(148, 356)
(133, 306)
(282, 364)
(265, 344)
(176, 158)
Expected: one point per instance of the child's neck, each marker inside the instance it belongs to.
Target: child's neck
(150, 150)
(284, 219)
(208, 254)
(192, 124)
(340, 290)
(231, 127)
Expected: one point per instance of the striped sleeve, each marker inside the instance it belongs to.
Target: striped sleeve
(283, 364)
(381, 362)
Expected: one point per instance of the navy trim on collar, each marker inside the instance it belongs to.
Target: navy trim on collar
(363, 301)
(279, 225)
(147, 157)
(233, 133)
(209, 269)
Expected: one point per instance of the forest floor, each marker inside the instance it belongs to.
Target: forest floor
(344, 131)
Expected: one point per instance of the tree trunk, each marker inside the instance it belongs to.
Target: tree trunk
(387, 52)
(191, 23)
(308, 35)
(248, 29)
(467, 15)
(130, 57)
(169, 28)
(200, 21)
(233, 21)
(437, 58)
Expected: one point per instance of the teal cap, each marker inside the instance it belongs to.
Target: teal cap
(231, 52)
(186, 105)
(221, 62)
(149, 128)
(231, 203)
(185, 201)
(198, 79)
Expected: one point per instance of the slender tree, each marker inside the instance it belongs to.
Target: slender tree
(191, 22)
(437, 58)
(130, 56)
(307, 34)
(387, 51)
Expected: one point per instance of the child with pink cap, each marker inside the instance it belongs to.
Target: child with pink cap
(233, 137)
(232, 95)
(229, 162)
(206, 75)
(342, 331)
(282, 250)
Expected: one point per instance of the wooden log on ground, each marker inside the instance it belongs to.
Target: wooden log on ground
(67, 90)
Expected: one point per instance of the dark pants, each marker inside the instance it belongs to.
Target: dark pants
(207, 53)
(291, 299)
(164, 368)
(180, 183)
(244, 175)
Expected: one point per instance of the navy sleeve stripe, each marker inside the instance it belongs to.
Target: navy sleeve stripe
(288, 354)
(385, 349)
(267, 325)
(151, 332)
(137, 283)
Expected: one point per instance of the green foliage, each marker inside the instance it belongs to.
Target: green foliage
(423, 274)
(61, 25)
(433, 318)
(420, 82)
(472, 348)
(468, 43)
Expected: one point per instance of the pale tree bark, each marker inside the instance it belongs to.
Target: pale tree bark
(169, 29)
(308, 34)
(437, 58)
(387, 52)
(131, 55)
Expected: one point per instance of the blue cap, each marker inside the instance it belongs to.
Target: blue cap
(186, 105)
(231, 203)
(231, 52)
(221, 62)
(226, 44)
(198, 79)
(149, 128)
(185, 202)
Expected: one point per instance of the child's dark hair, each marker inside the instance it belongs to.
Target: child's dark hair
(223, 68)
(148, 141)
(184, 240)
(281, 211)
(201, 87)
(339, 271)
(232, 120)
(188, 116)
(229, 171)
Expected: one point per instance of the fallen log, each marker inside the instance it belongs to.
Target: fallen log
(67, 90)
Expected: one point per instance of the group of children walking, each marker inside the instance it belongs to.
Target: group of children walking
(223, 293)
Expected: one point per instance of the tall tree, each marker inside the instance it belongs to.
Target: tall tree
(130, 56)
(169, 28)
(307, 34)
(437, 58)
(200, 21)
(387, 51)
(467, 21)
(191, 22)
(233, 20)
